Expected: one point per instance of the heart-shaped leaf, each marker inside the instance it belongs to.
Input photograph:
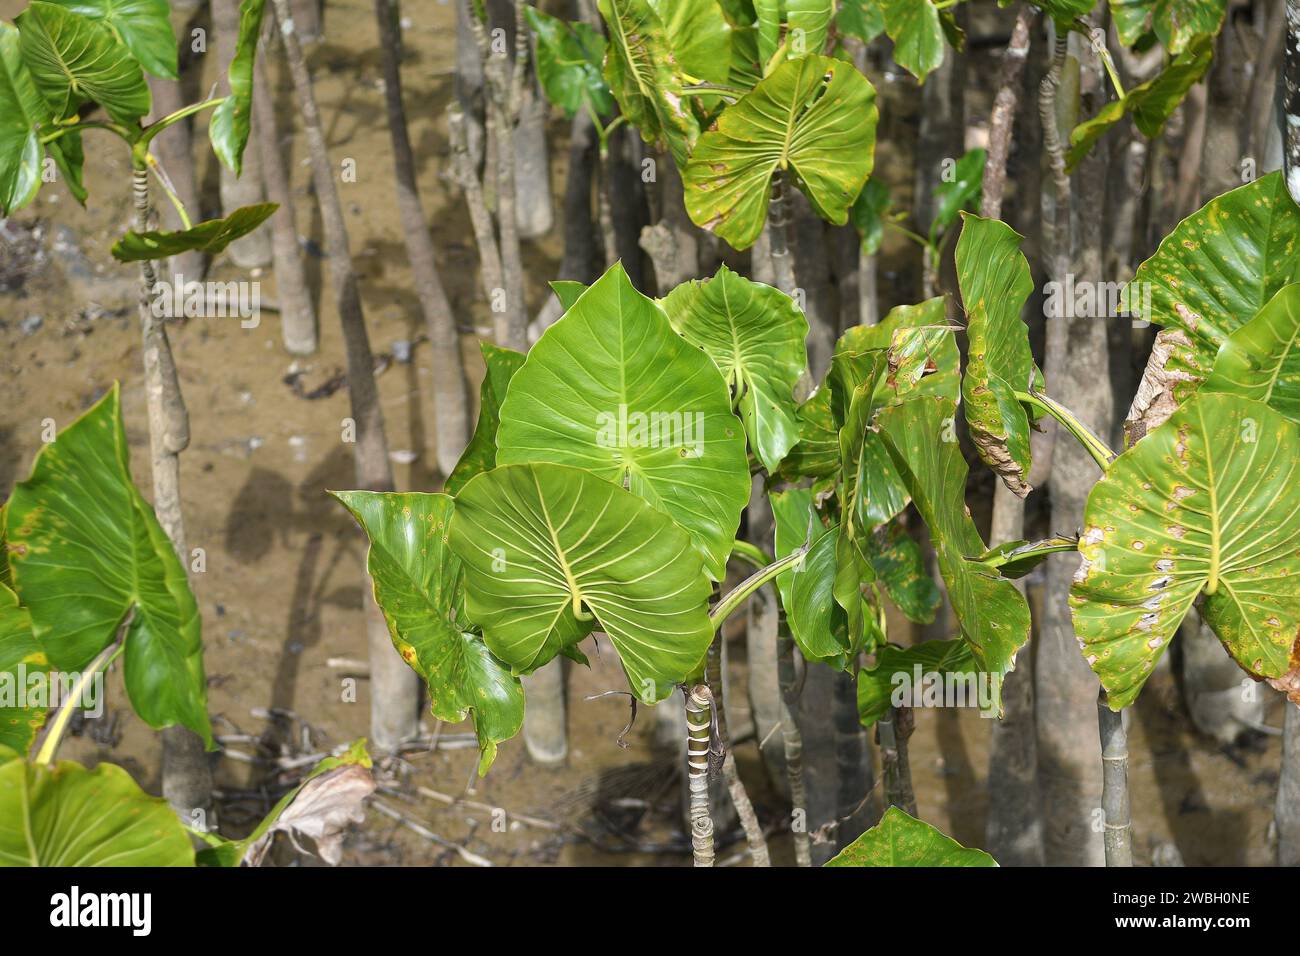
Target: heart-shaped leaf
(861, 19)
(815, 116)
(481, 453)
(817, 623)
(817, 453)
(1200, 505)
(898, 564)
(1261, 360)
(417, 583)
(1176, 22)
(899, 669)
(755, 335)
(1150, 104)
(21, 656)
(959, 189)
(995, 282)
(900, 839)
(868, 215)
(143, 25)
(612, 389)
(568, 63)
(88, 556)
(802, 24)
(699, 36)
(1215, 271)
(229, 128)
(69, 816)
(210, 237)
(22, 114)
(545, 546)
(75, 60)
(922, 440)
(643, 77)
(918, 35)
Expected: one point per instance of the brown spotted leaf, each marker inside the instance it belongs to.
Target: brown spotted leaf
(1204, 504)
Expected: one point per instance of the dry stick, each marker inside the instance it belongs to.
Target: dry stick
(187, 778)
(394, 700)
(735, 786)
(451, 405)
(699, 724)
(458, 131)
(297, 313)
(1114, 786)
(793, 741)
(1012, 824)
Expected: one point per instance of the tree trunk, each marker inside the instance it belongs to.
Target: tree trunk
(1114, 792)
(187, 776)
(1222, 701)
(1287, 812)
(534, 206)
(793, 741)
(853, 812)
(253, 250)
(394, 689)
(297, 312)
(545, 734)
(699, 722)
(450, 397)
(306, 19)
(716, 679)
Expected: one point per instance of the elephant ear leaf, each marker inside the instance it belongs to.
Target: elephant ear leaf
(1214, 272)
(803, 24)
(75, 60)
(921, 437)
(755, 335)
(1176, 23)
(69, 816)
(21, 656)
(209, 237)
(568, 63)
(900, 839)
(1201, 505)
(89, 559)
(1261, 360)
(877, 685)
(815, 116)
(481, 453)
(144, 26)
(612, 389)
(548, 549)
(232, 120)
(25, 113)
(643, 77)
(917, 30)
(417, 582)
(817, 623)
(995, 282)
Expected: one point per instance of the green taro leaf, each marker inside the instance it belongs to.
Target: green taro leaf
(230, 124)
(805, 22)
(918, 35)
(567, 291)
(210, 237)
(868, 214)
(902, 840)
(417, 582)
(1015, 559)
(481, 453)
(23, 113)
(817, 453)
(1261, 360)
(861, 19)
(1150, 104)
(1216, 270)
(143, 25)
(612, 389)
(1202, 504)
(75, 60)
(1176, 22)
(69, 816)
(21, 655)
(1064, 12)
(546, 545)
(86, 553)
(958, 193)
(815, 116)
(699, 36)
(877, 685)
(995, 283)
(755, 334)
(921, 437)
(896, 559)
(643, 77)
(817, 623)
(568, 63)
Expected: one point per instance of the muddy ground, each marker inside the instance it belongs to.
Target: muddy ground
(281, 595)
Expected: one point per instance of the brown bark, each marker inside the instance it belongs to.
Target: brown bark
(450, 398)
